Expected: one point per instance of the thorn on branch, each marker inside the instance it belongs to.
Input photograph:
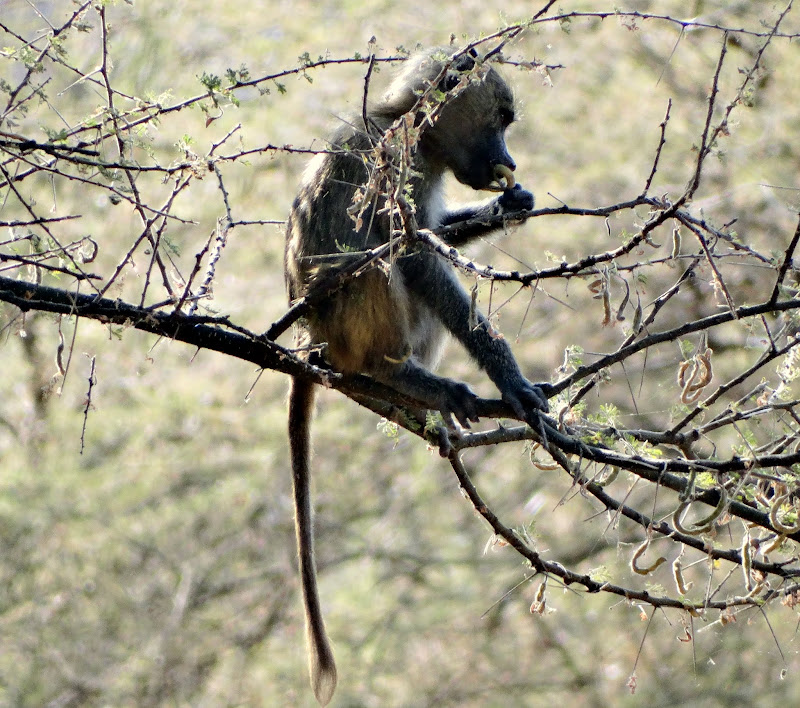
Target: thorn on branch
(88, 403)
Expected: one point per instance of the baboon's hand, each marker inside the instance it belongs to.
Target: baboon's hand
(525, 397)
(457, 399)
(516, 199)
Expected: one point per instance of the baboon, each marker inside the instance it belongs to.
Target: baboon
(388, 322)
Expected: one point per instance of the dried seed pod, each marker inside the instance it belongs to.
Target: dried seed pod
(505, 179)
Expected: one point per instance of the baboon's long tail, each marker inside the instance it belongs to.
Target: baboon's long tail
(320, 655)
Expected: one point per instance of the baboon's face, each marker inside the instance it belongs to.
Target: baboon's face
(469, 137)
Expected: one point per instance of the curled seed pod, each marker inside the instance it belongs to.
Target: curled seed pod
(677, 574)
(775, 545)
(704, 371)
(60, 353)
(596, 287)
(637, 318)
(676, 242)
(606, 307)
(625, 300)
(638, 553)
(539, 604)
(776, 522)
(683, 368)
(756, 589)
(505, 179)
(694, 375)
(539, 464)
(747, 562)
(703, 525)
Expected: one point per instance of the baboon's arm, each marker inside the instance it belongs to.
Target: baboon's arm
(472, 221)
(453, 306)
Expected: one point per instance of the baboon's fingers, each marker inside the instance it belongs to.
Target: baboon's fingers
(458, 400)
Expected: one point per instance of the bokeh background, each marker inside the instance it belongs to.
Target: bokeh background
(156, 567)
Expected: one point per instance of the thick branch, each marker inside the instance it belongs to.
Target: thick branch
(214, 333)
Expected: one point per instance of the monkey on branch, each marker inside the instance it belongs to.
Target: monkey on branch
(381, 178)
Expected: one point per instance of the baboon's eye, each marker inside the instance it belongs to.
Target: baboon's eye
(506, 116)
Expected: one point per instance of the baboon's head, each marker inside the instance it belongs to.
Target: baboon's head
(468, 136)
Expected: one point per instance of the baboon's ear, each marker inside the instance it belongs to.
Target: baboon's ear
(466, 62)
